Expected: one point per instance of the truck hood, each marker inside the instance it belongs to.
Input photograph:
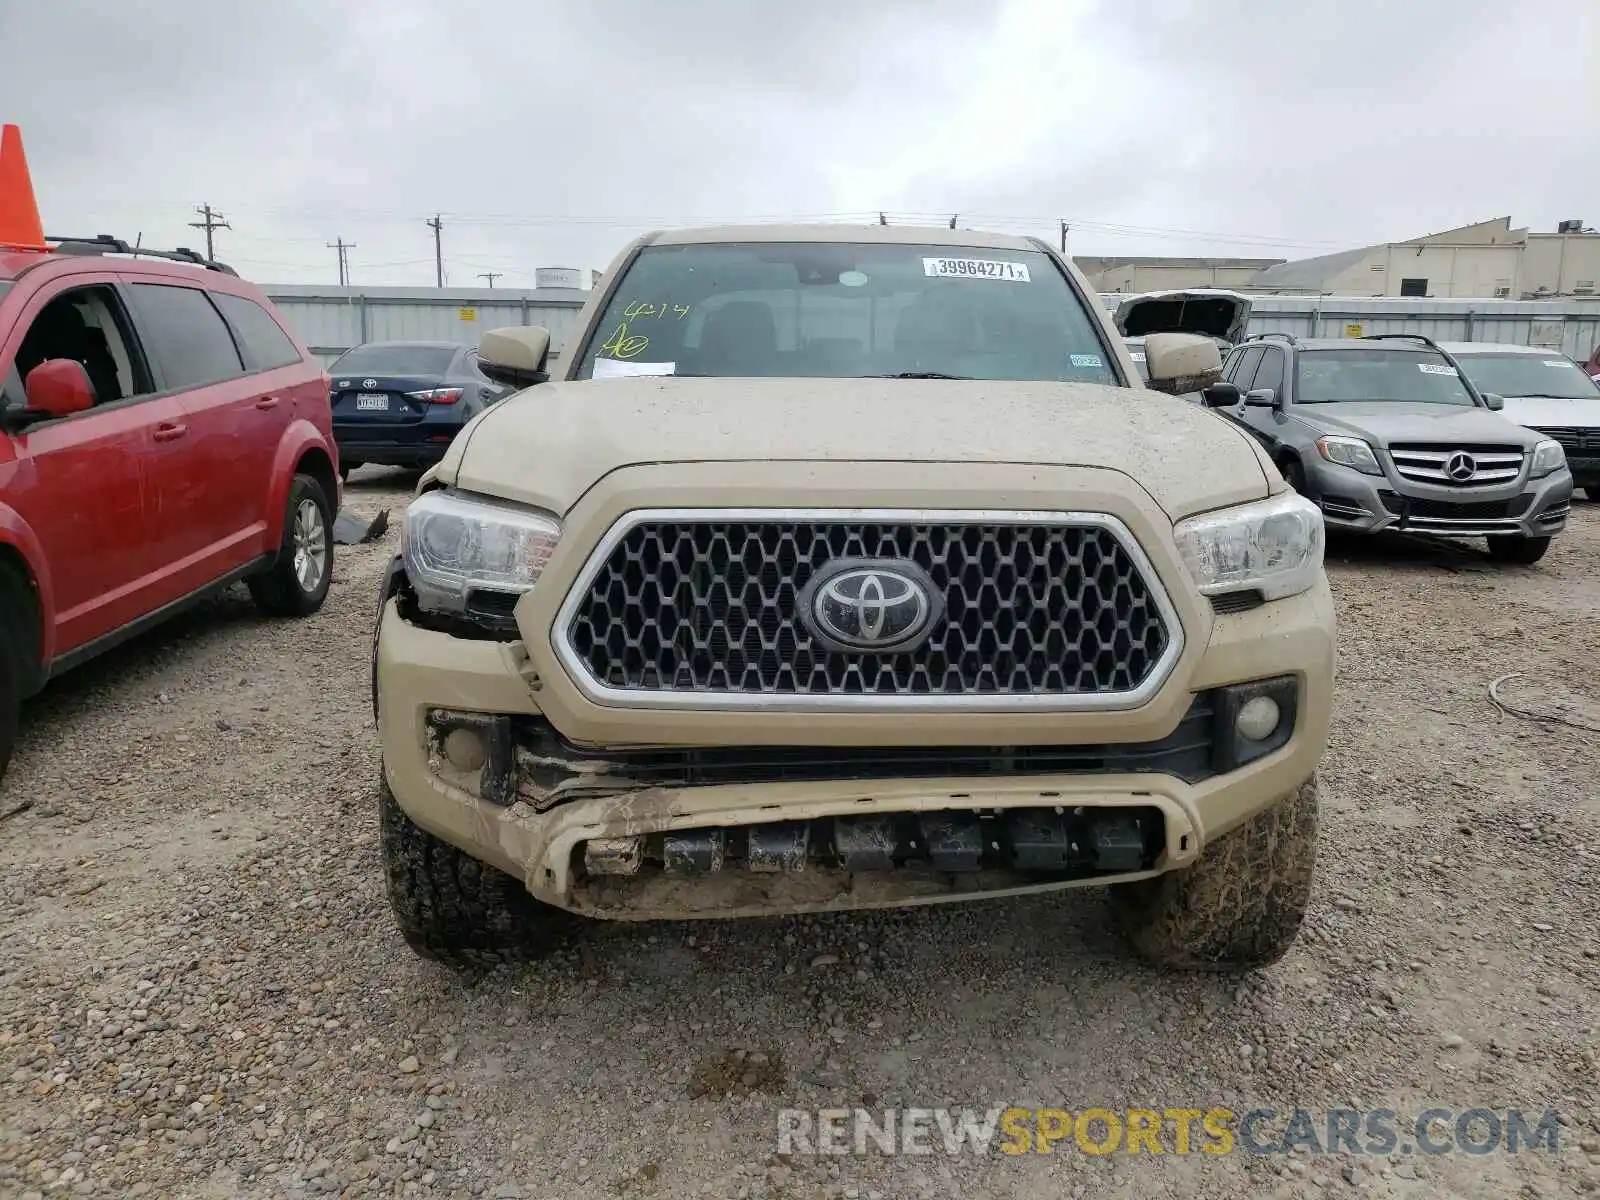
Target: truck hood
(549, 444)
(1209, 312)
(1547, 412)
(1387, 423)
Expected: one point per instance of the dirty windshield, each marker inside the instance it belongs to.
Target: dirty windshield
(1529, 375)
(846, 310)
(1373, 376)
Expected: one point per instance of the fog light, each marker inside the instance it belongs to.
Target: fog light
(1257, 718)
(466, 750)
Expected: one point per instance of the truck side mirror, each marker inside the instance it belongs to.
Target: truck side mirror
(515, 355)
(1173, 357)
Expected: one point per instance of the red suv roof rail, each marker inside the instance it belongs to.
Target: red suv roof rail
(20, 227)
(104, 243)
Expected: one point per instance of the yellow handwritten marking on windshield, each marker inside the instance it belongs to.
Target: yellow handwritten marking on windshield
(620, 345)
(643, 308)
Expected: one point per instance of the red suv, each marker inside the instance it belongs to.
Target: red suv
(162, 434)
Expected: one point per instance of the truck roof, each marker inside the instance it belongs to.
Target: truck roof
(882, 234)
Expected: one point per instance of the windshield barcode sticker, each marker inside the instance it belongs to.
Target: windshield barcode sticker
(1436, 369)
(1086, 360)
(620, 368)
(975, 268)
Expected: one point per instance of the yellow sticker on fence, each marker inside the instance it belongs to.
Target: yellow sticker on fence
(469, 314)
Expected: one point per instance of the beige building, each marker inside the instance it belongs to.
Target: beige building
(1488, 259)
(1134, 274)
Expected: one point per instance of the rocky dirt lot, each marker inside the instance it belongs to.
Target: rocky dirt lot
(202, 995)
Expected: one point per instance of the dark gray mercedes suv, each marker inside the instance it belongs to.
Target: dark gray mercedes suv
(1386, 433)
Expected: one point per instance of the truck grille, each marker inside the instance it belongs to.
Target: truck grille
(1574, 439)
(1447, 465)
(702, 605)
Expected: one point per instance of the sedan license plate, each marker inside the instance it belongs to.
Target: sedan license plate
(372, 401)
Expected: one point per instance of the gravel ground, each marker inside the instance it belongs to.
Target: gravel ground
(202, 994)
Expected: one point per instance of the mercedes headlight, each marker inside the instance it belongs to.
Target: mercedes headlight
(1273, 546)
(1547, 457)
(453, 544)
(1349, 452)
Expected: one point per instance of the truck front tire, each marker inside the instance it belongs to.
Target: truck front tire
(1240, 905)
(453, 909)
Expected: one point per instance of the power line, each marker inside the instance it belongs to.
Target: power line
(623, 222)
(491, 276)
(210, 220)
(437, 225)
(343, 247)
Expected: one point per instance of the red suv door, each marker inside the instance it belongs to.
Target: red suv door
(210, 488)
(81, 484)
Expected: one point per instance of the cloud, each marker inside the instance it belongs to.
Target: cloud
(551, 134)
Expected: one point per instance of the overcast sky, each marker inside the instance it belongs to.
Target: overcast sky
(547, 134)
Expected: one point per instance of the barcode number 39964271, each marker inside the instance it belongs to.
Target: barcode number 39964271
(975, 268)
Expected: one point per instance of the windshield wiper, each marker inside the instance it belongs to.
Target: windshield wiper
(916, 375)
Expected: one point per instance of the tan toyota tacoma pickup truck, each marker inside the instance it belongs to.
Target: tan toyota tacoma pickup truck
(842, 568)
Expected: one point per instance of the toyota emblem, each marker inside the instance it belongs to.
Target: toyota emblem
(369, 383)
(875, 605)
(1460, 466)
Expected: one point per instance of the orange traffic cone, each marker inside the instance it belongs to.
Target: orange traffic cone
(19, 212)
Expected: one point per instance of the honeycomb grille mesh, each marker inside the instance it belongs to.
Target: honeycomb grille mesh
(713, 607)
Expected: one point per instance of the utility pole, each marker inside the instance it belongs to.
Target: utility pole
(344, 248)
(491, 276)
(436, 223)
(953, 217)
(882, 220)
(1064, 228)
(210, 220)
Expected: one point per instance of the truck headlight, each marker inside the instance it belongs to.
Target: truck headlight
(1547, 457)
(1273, 546)
(1349, 452)
(453, 544)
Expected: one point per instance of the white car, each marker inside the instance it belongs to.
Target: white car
(1543, 390)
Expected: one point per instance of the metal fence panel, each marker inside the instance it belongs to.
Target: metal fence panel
(331, 320)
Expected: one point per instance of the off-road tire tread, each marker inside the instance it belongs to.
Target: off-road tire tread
(1510, 548)
(1239, 907)
(453, 909)
(276, 591)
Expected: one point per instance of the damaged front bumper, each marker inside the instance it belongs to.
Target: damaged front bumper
(680, 830)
